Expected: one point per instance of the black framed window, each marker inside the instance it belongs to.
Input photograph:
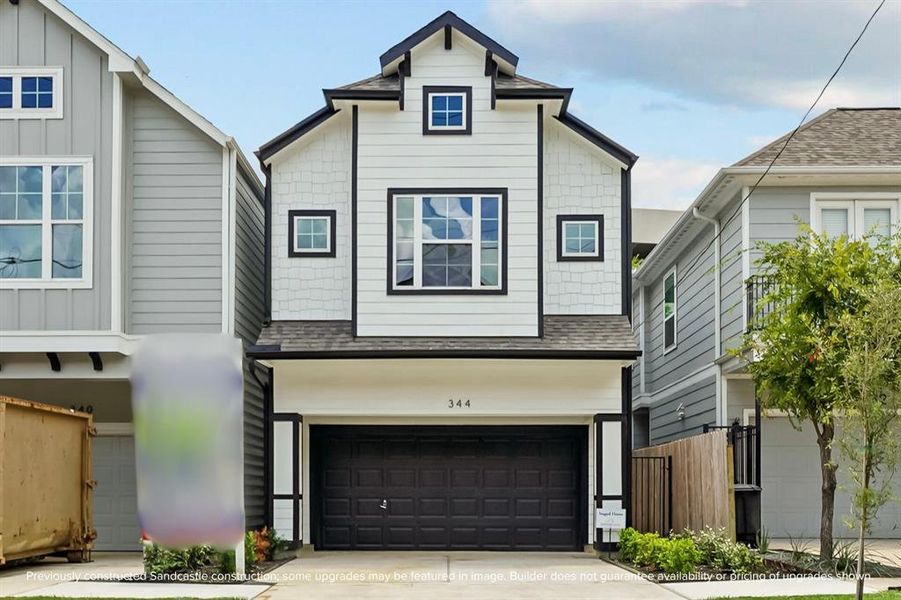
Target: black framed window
(580, 238)
(311, 233)
(446, 110)
(447, 241)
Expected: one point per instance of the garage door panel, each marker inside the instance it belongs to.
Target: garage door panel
(115, 494)
(433, 487)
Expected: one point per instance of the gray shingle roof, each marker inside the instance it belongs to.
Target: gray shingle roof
(839, 137)
(576, 336)
(503, 82)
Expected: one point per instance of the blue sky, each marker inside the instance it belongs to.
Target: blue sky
(690, 86)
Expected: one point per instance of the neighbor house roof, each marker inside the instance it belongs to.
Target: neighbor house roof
(565, 336)
(839, 137)
(502, 82)
(843, 142)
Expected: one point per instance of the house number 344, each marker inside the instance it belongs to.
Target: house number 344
(459, 404)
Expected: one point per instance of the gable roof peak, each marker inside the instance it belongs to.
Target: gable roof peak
(446, 19)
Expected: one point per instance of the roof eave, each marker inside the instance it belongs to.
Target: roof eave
(276, 353)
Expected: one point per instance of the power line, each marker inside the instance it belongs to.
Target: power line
(753, 188)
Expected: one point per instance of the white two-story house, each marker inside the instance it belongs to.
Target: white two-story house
(123, 213)
(448, 276)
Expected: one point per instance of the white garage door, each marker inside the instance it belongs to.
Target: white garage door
(790, 501)
(115, 497)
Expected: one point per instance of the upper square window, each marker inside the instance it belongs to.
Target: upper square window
(31, 93)
(447, 242)
(580, 238)
(446, 110)
(311, 233)
(37, 92)
(45, 224)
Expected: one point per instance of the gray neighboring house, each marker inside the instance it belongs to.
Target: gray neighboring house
(123, 212)
(842, 174)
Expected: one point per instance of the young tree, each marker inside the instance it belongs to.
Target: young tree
(794, 351)
(870, 394)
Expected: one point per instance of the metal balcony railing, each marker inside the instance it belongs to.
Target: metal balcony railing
(745, 443)
(757, 287)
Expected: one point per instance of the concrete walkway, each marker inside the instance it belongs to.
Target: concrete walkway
(455, 575)
(766, 588)
(52, 571)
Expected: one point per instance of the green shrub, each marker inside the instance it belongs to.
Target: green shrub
(166, 561)
(628, 541)
(672, 555)
(719, 551)
(680, 556)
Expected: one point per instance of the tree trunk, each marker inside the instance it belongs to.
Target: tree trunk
(864, 518)
(827, 490)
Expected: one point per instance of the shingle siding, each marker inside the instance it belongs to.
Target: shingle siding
(578, 181)
(314, 175)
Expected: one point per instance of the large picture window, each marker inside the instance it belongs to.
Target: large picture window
(447, 241)
(45, 224)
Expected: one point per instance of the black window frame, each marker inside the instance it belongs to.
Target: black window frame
(427, 90)
(582, 218)
(502, 240)
(332, 217)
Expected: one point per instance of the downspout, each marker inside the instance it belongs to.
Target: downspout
(717, 330)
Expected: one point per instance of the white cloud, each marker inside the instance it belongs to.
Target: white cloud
(757, 54)
(663, 182)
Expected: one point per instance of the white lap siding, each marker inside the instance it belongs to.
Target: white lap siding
(577, 180)
(501, 152)
(314, 175)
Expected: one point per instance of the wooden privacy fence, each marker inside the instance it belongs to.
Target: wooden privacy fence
(702, 492)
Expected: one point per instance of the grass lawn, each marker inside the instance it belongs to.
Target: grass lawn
(875, 596)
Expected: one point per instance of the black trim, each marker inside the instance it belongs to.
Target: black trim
(331, 215)
(355, 133)
(598, 139)
(96, 360)
(403, 87)
(625, 220)
(626, 452)
(267, 242)
(341, 94)
(489, 61)
(599, 496)
(446, 89)
(389, 282)
(408, 63)
(282, 140)
(448, 19)
(296, 495)
(599, 219)
(563, 94)
(494, 87)
(53, 358)
(540, 217)
(448, 37)
(266, 353)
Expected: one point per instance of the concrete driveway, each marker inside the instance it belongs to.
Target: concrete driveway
(455, 575)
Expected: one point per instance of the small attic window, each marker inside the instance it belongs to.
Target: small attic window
(446, 110)
(31, 93)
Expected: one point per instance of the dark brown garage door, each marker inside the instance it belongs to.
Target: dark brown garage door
(449, 488)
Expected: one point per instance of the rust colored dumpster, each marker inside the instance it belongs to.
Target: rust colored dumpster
(46, 490)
